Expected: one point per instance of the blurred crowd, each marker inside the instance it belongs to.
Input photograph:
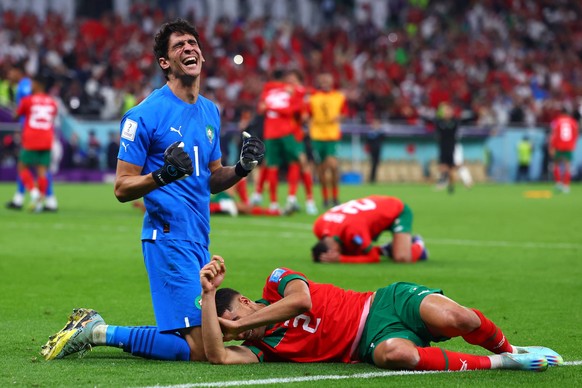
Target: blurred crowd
(498, 61)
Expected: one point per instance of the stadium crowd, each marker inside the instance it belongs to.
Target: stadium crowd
(497, 61)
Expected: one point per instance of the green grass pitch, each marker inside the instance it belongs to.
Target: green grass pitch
(517, 259)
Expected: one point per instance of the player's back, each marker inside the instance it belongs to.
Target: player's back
(328, 332)
(564, 133)
(280, 105)
(366, 216)
(40, 113)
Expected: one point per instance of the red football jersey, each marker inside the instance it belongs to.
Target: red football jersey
(329, 332)
(281, 105)
(564, 133)
(302, 97)
(355, 224)
(40, 112)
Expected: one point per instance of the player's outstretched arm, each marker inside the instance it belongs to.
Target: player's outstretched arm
(211, 276)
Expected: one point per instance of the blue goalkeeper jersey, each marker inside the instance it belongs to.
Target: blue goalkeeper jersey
(23, 89)
(179, 210)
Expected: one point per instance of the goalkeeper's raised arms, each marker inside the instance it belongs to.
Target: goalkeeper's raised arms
(177, 164)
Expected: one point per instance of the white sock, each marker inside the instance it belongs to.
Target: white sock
(496, 361)
(18, 199)
(51, 202)
(34, 195)
(99, 335)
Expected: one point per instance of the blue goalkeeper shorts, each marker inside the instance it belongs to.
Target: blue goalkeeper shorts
(173, 268)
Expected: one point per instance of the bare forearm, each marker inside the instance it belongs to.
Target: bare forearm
(211, 333)
(128, 188)
(287, 308)
(223, 178)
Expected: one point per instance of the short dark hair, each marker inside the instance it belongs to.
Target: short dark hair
(162, 38)
(278, 74)
(318, 249)
(224, 298)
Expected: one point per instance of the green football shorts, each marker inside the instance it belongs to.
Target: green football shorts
(281, 150)
(403, 224)
(35, 158)
(324, 149)
(563, 155)
(395, 313)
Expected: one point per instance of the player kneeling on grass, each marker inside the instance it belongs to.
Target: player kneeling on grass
(346, 232)
(299, 320)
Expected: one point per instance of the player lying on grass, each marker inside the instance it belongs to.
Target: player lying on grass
(226, 203)
(346, 232)
(302, 321)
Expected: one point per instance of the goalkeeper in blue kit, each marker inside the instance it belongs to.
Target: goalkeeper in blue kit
(170, 155)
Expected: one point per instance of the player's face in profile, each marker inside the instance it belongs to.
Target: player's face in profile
(239, 310)
(184, 56)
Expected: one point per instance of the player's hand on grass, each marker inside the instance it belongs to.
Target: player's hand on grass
(212, 274)
(177, 165)
(251, 154)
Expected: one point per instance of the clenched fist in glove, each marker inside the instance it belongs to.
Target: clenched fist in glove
(251, 154)
(177, 164)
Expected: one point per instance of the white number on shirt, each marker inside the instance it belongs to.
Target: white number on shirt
(566, 132)
(196, 162)
(355, 206)
(41, 117)
(306, 321)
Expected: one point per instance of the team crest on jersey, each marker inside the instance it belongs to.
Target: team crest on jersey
(210, 133)
(198, 302)
(276, 275)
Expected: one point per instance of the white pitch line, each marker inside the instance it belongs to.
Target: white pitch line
(290, 380)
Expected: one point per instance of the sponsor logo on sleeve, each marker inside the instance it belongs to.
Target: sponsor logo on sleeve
(129, 130)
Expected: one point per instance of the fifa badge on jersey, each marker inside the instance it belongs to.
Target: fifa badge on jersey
(210, 133)
(129, 130)
(276, 275)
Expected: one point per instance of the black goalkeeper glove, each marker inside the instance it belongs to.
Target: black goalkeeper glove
(177, 164)
(251, 154)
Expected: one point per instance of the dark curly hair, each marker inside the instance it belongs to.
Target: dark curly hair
(162, 38)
